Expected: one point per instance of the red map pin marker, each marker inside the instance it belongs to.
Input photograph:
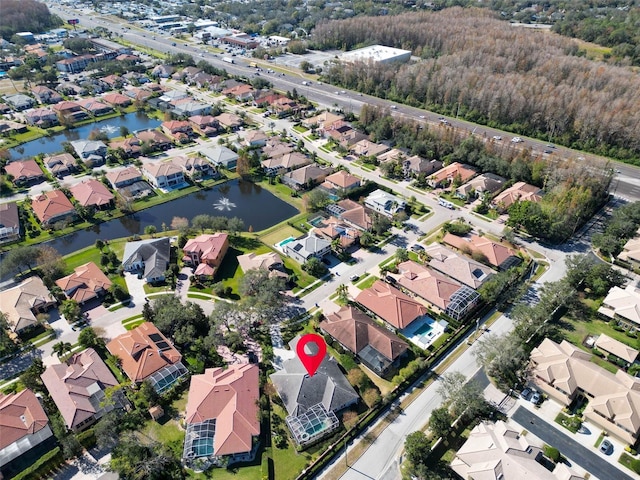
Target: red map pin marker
(311, 361)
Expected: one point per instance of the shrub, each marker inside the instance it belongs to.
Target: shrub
(552, 453)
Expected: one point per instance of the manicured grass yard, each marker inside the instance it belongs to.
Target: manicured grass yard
(272, 237)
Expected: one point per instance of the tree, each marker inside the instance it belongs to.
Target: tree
(88, 338)
(380, 224)
(133, 460)
(401, 255)
(20, 258)
(314, 267)
(50, 262)
(61, 348)
(108, 429)
(371, 397)
(202, 222)
(6, 344)
(343, 294)
(71, 311)
(440, 421)
(356, 377)
(30, 378)
(180, 223)
(503, 358)
(463, 397)
(235, 225)
(417, 447)
(317, 199)
(150, 230)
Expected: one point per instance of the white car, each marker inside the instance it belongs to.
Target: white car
(516, 140)
(497, 138)
(393, 107)
(422, 116)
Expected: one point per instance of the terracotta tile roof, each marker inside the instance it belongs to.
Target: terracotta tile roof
(48, 205)
(495, 252)
(76, 386)
(66, 106)
(143, 351)
(117, 99)
(231, 398)
(62, 162)
(24, 169)
(86, 282)
(390, 304)
(517, 192)
(208, 248)
(458, 267)
(123, 175)
(20, 415)
(355, 214)
(342, 179)
(434, 287)
(92, 192)
(160, 169)
(355, 330)
(229, 120)
(453, 170)
(20, 302)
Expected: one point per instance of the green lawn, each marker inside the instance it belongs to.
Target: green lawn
(366, 282)
(577, 325)
(134, 324)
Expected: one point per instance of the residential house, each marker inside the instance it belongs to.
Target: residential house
(180, 130)
(229, 121)
(455, 172)
(283, 106)
(74, 64)
(149, 258)
(61, 164)
(43, 117)
(113, 82)
(299, 391)
(242, 93)
(194, 167)
(375, 346)
(565, 372)
(204, 125)
(9, 127)
(616, 348)
(146, 354)
(69, 110)
(495, 253)
(415, 165)
(162, 71)
(391, 305)
(340, 183)
(25, 172)
(623, 306)
(92, 193)
(90, 151)
(631, 251)
(270, 261)
(165, 174)
(333, 229)
(306, 177)
(323, 122)
(138, 94)
(484, 184)
(442, 292)
(190, 107)
(304, 248)
(45, 95)
(155, 139)
(19, 101)
(385, 203)
(130, 147)
(391, 156)
(344, 135)
(518, 192)
(463, 269)
(189, 72)
(70, 88)
(222, 414)
(23, 425)
(52, 207)
(367, 148)
(22, 303)
(136, 78)
(171, 95)
(95, 107)
(78, 386)
(351, 213)
(284, 163)
(85, 283)
(495, 450)
(255, 138)
(276, 148)
(9, 222)
(117, 100)
(207, 252)
(123, 177)
(221, 156)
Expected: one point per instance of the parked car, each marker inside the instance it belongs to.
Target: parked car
(417, 248)
(606, 447)
(497, 138)
(354, 277)
(536, 398)
(525, 393)
(516, 140)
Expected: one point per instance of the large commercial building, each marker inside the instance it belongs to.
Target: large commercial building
(376, 54)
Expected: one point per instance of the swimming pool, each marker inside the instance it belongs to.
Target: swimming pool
(285, 241)
(423, 329)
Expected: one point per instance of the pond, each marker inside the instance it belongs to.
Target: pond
(53, 144)
(257, 207)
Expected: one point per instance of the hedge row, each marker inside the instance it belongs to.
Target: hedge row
(46, 464)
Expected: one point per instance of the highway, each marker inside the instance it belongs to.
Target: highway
(626, 183)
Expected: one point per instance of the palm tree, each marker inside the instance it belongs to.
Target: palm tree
(61, 348)
(343, 294)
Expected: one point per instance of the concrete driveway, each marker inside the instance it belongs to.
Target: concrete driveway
(571, 449)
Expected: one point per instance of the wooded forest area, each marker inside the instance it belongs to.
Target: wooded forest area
(489, 72)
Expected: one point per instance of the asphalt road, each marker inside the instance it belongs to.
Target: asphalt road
(627, 179)
(568, 448)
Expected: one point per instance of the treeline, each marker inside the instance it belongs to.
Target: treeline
(574, 190)
(476, 66)
(25, 16)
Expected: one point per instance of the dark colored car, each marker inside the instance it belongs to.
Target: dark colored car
(606, 447)
(526, 393)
